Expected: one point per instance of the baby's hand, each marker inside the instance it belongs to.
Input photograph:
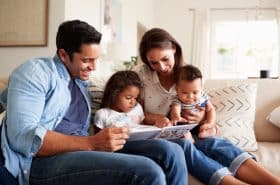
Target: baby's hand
(178, 119)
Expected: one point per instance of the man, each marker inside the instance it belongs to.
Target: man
(45, 131)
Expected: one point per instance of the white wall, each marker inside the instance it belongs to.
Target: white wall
(11, 57)
(86, 10)
(175, 16)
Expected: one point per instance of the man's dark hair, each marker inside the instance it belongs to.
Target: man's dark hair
(116, 84)
(72, 34)
(188, 73)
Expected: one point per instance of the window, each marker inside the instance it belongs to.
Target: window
(243, 42)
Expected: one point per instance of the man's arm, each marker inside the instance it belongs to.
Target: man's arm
(108, 139)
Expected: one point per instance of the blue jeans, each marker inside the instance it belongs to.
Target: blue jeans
(168, 155)
(155, 162)
(210, 159)
(95, 168)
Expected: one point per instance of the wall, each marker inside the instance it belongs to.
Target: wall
(10, 57)
(133, 11)
(175, 16)
(86, 10)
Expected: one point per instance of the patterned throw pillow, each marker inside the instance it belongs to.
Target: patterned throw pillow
(96, 94)
(235, 108)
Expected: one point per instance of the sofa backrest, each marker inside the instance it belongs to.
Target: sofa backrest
(268, 98)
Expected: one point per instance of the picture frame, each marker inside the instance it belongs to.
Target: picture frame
(23, 23)
(111, 20)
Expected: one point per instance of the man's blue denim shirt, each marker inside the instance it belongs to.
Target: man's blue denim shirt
(35, 100)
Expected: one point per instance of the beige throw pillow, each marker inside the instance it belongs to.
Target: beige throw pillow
(235, 108)
(274, 117)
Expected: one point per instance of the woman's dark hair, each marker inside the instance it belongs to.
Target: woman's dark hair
(187, 73)
(72, 34)
(116, 84)
(159, 38)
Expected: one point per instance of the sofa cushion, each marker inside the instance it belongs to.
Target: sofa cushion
(235, 107)
(268, 155)
(274, 117)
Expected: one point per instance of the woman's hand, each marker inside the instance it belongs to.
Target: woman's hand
(192, 116)
(208, 130)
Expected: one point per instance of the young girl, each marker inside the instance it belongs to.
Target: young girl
(189, 96)
(119, 106)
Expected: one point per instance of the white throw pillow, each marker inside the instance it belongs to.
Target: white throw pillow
(235, 108)
(274, 117)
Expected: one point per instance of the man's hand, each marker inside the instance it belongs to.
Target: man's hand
(109, 139)
(194, 116)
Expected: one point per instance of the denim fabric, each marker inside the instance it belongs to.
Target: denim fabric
(199, 165)
(223, 151)
(210, 159)
(95, 168)
(168, 155)
(34, 105)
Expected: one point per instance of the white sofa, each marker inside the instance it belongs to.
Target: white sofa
(267, 135)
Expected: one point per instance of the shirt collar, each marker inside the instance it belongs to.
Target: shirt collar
(61, 69)
(155, 79)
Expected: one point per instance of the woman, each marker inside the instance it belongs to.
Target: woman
(162, 56)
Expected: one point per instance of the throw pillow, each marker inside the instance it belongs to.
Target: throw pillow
(235, 108)
(96, 95)
(274, 117)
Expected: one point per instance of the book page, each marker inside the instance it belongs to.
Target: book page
(143, 132)
(174, 132)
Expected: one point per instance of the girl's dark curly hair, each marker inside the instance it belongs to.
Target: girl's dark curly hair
(116, 84)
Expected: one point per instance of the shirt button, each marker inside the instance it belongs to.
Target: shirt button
(25, 171)
(32, 153)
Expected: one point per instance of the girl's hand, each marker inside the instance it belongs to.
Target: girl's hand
(162, 121)
(192, 116)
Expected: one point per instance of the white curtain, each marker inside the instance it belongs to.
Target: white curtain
(278, 23)
(201, 41)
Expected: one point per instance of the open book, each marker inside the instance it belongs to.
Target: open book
(143, 132)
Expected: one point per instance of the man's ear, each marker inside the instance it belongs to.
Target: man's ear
(63, 55)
